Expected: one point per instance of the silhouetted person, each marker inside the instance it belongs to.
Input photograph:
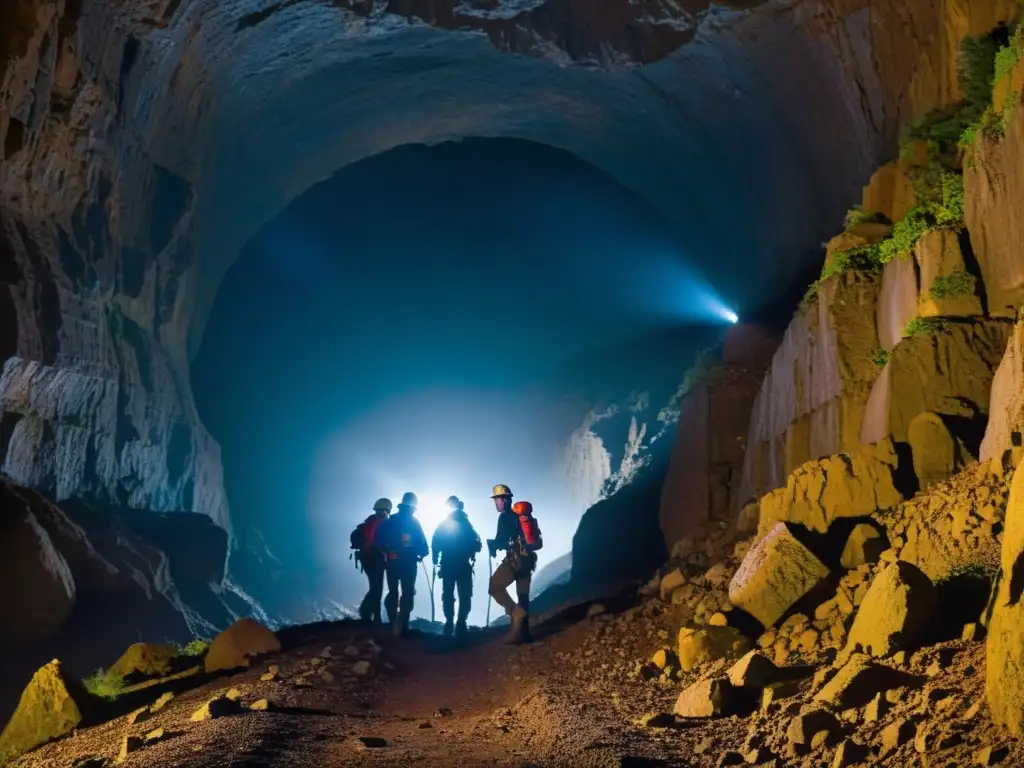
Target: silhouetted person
(372, 558)
(455, 544)
(401, 536)
(518, 565)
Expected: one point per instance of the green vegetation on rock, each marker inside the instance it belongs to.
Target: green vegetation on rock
(857, 215)
(974, 67)
(880, 357)
(106, 684)
(954, 285)
(923, 325)
(195, 648)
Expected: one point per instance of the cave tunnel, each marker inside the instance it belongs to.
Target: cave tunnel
(152, 153)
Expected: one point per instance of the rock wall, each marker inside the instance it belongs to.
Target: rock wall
(707, 455)
(1006, 403)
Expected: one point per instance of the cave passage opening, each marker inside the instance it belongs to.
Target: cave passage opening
(435, 319)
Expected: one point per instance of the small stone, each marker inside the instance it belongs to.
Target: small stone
(273, 669)
(316, 662)
(851, 715)
(361, 667)
(849, 753)
(859, 681)
(443, 712)
(266, 677)
(326, 652)
(161, 702)
(595, 610)
(718, 619)
(934, 669)
(326, 676)
(754, 670)
(805, 727)
(822, 677)
(351, 651)
(896, 735)
(807, 640)
(260, 705)
(129, 744)
(157, 734)
(220, 706)
(778, 691)
(706, 698)
(821, 739)
(424, 725)
(876, 709)
(895, 696)
(139, 715)
(658, 720)
(973, 710)
(757, 756)
(991, 755)
(234, 694)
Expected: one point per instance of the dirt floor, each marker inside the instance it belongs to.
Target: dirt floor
(574, 697)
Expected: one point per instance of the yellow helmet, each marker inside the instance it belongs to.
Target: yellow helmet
(501, 490)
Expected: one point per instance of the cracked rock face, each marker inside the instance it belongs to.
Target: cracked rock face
(144, 143)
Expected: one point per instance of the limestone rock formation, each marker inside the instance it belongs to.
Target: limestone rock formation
(947, 287)
(867, 233)
(889, 192)
(710, 437)
(1006, 404)
(897, 301)
(774, 575)
(1005, 645)
(234, 647)
(50, 707)
(811, 403)
(937, 454)
(864, 545)
(993, 189)
(851, 485)
(947, 370)
(896, 610)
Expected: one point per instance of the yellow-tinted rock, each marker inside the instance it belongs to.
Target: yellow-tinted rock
(889, 192)
(818, 492)
(149, 659)
(49, 708)
(774, 575)
(754, 670)
(699, 645)
(896, 609)
(947, 288)
(859, 681)
(936, 452)
(234, 646)
(672, 581)
(1004, 682)
(706, 698)
(856, 236)
(864, 545)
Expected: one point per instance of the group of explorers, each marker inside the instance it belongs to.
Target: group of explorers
(393, 545)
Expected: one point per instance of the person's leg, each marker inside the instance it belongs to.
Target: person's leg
(408, 579)
(523, 595)
(464, 582)
(391, 601)
(448, 599)
(376, 575)
(502, 578)
(365, 606)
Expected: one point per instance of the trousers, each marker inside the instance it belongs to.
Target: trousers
(369, 609)
(401, 575)
(511, 571)
(456, 578)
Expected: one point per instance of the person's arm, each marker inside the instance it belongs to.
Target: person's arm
(433, 544)
(424, 550)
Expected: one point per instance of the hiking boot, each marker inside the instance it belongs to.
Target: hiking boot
(515, 634)
(460, 629)
(448, 628)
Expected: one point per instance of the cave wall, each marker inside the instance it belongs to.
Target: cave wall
(132, 172)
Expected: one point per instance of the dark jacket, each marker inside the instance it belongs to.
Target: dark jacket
(402, 537)
(455, 541)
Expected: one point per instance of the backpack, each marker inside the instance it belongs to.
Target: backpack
(365, 534)
(530, 530)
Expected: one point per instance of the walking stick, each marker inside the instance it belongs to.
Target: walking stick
(490, 575)
(430, 585)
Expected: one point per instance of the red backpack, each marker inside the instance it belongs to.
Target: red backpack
(528, 523)
(365, 533)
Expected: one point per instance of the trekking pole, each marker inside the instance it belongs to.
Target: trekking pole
(430, 586)
(490, 575)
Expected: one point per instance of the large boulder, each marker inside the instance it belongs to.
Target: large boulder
(947, 287)
(851, 485)
(774, 575)
(1004, 681)
(889, 192)
(1006, 405)
(146, 659)
(947, 370)
(697, 645)
(937, 453)
(897, 301)
(858, 681)
(234, 647)
(50, 707)
(865, 233)
(705, 698)
(896, 610)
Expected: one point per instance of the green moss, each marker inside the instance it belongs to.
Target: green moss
(1006, 57)
(905, 235)
(976, 69)
(857, 215)
(959, 283)
(195, 648)
(880, 356)
(923, 325)
(106, 684)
